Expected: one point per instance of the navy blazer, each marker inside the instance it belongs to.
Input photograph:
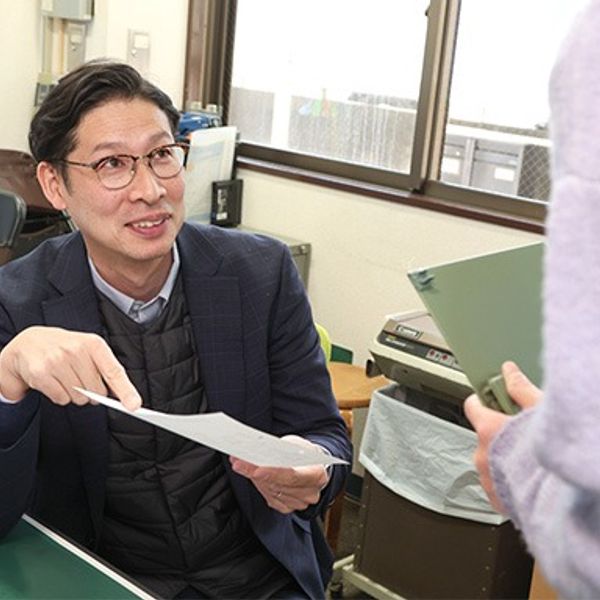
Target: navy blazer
(260, 361)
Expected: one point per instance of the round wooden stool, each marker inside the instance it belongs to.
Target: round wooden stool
(352, 388)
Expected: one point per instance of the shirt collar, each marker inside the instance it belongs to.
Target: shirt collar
(138, 310)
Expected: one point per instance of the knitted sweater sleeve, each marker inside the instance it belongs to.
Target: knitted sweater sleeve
(559, 520)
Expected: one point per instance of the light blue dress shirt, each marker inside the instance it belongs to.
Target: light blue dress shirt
(141, 312)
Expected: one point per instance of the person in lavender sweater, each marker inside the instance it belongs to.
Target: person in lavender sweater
(542, 467)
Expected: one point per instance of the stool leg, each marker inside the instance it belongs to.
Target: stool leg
(333, 517)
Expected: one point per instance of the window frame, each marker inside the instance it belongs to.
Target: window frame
(208, 71)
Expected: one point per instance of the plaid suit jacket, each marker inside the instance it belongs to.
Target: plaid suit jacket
(260, 361)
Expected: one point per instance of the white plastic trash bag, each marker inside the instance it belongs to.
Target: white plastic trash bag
(424, 458)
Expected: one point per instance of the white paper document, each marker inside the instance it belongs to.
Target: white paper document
(210, 159)
(225, 434)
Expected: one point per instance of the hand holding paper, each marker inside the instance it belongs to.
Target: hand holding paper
(286, 489)
(225, 434)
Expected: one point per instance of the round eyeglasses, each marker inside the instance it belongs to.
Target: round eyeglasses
(118, 170)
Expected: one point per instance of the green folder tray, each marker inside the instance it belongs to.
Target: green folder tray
(33, 565)
(488, 309)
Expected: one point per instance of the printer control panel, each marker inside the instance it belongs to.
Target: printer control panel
(444, 358)
(405, 339)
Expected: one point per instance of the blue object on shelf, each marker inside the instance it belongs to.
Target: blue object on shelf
(191, 121)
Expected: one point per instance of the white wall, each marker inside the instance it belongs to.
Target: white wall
(362, 248)
(20, 56)
(21, 51)
(166, 23)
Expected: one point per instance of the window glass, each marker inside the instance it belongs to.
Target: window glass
(333, 78)
(496, 136)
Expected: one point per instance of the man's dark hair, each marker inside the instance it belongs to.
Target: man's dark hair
(52, 132)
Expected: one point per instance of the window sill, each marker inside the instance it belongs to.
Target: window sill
(534, 224)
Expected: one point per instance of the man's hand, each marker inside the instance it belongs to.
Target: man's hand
(53, 361)
(285, 489)
(488, 422)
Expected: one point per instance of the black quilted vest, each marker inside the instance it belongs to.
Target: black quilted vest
(170, 511)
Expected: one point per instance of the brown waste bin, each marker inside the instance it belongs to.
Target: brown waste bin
(419, 553)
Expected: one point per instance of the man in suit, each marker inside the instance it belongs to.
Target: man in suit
(178, 317)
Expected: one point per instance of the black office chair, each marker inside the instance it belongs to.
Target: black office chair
(13, 211)
(42, 221)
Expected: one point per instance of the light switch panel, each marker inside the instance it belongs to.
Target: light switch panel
(75, 44)
(138, 50)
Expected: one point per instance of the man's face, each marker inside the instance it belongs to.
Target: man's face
(134, 226)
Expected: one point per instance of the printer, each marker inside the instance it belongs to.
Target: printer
(411, 351)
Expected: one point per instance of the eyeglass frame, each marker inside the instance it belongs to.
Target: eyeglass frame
(96, 163)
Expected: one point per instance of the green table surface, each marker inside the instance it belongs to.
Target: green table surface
(33, 565)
